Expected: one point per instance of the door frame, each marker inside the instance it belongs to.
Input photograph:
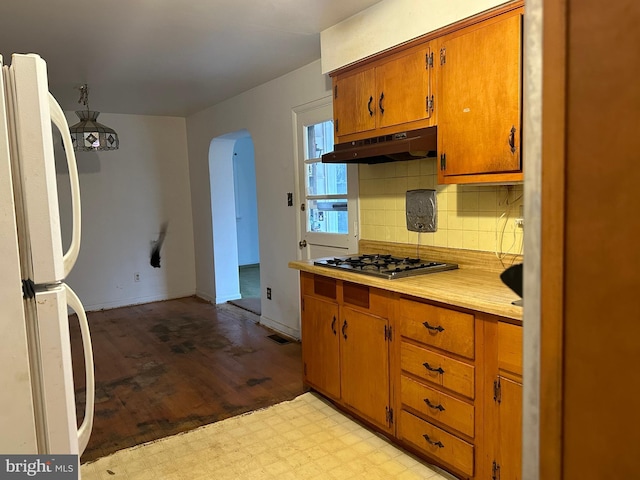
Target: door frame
(300, 188)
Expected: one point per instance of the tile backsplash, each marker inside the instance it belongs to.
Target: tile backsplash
(474, 217)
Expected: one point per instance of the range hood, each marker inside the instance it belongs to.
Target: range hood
(407, 145)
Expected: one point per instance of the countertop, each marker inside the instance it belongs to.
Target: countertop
(472, 288)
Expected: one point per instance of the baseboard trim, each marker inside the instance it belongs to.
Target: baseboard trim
(126, 302)
(279, 327)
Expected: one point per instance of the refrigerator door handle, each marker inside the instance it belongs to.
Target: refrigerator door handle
(59, 120)
(84, 432)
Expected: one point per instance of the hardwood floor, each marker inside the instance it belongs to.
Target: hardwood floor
(166, 367)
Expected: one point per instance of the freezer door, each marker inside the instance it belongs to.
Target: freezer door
(17, 421)
(55, 373)
(33, 111)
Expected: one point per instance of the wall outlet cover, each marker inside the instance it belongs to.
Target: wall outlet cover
(422, 210)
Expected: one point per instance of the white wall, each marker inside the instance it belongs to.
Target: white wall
(390, 23)
(244, 174)
(126, 195)
(266, 112)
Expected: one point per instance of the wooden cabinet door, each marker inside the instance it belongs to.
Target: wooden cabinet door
(479, 116)
(365, 364)
(354, 102)
(321, 345)
(403, 88)
(510, 436)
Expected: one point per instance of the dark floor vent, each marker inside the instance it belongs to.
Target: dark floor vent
(278, 339)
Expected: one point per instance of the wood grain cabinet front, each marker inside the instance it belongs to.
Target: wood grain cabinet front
(345, 345)
(437, 443)
(389, 95)
(479, 113)
(445, 383)
(437, 327)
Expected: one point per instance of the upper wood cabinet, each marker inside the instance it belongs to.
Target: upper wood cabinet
(479, 109)
(390, 95)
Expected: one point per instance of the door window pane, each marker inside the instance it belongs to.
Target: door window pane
(328, 216)
(319, 139)
(326, 178)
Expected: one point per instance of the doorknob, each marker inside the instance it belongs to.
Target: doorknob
(302, 243)
(302, 207)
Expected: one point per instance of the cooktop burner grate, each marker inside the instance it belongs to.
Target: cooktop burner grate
(385, 266)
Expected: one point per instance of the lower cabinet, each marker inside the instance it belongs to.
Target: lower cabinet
(437, 371)
(345, 346)
(444, 383)
(504, 411)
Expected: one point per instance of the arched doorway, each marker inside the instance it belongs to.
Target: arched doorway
(234, 211)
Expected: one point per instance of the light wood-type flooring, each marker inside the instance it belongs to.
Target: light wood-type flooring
(168, 367)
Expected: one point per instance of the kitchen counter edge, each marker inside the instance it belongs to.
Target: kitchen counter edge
(469, 288)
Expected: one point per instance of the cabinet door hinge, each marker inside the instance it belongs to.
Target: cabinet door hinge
(495, 471)
(497, 391)
(335, 92)
(389, 415)
(443, 55)
(443, 161)
(428, 60)
(429, 102)
(387, 333)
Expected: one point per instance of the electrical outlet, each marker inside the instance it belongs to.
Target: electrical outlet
(519, 222)
(136, 277)
(268, 293)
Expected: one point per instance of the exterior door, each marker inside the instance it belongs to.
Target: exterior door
(327, 193)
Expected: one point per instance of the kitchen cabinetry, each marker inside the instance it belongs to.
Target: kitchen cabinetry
(345, 345)
(504, 412)
(479, 109)
(391, 95)
(437, 382)
(444, 382)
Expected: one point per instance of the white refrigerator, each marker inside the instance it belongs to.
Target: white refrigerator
(37, 402)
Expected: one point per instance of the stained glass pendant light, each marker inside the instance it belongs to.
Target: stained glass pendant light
(89, 135)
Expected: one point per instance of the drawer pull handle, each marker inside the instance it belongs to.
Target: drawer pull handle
(333, 325)
(344, 329)
(431, 369)
(437, 329)
(435, 407)
(431, 442)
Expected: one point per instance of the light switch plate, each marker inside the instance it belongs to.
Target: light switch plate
(422, 210)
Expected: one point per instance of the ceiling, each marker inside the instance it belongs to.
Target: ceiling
(166, 57)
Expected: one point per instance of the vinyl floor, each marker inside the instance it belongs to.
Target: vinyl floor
(302, 439)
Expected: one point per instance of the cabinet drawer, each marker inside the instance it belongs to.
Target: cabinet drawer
(438, 369)
(437, 443)
(439, 327)
(436, 405)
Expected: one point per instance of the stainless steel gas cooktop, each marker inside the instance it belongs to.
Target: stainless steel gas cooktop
(385, 266)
